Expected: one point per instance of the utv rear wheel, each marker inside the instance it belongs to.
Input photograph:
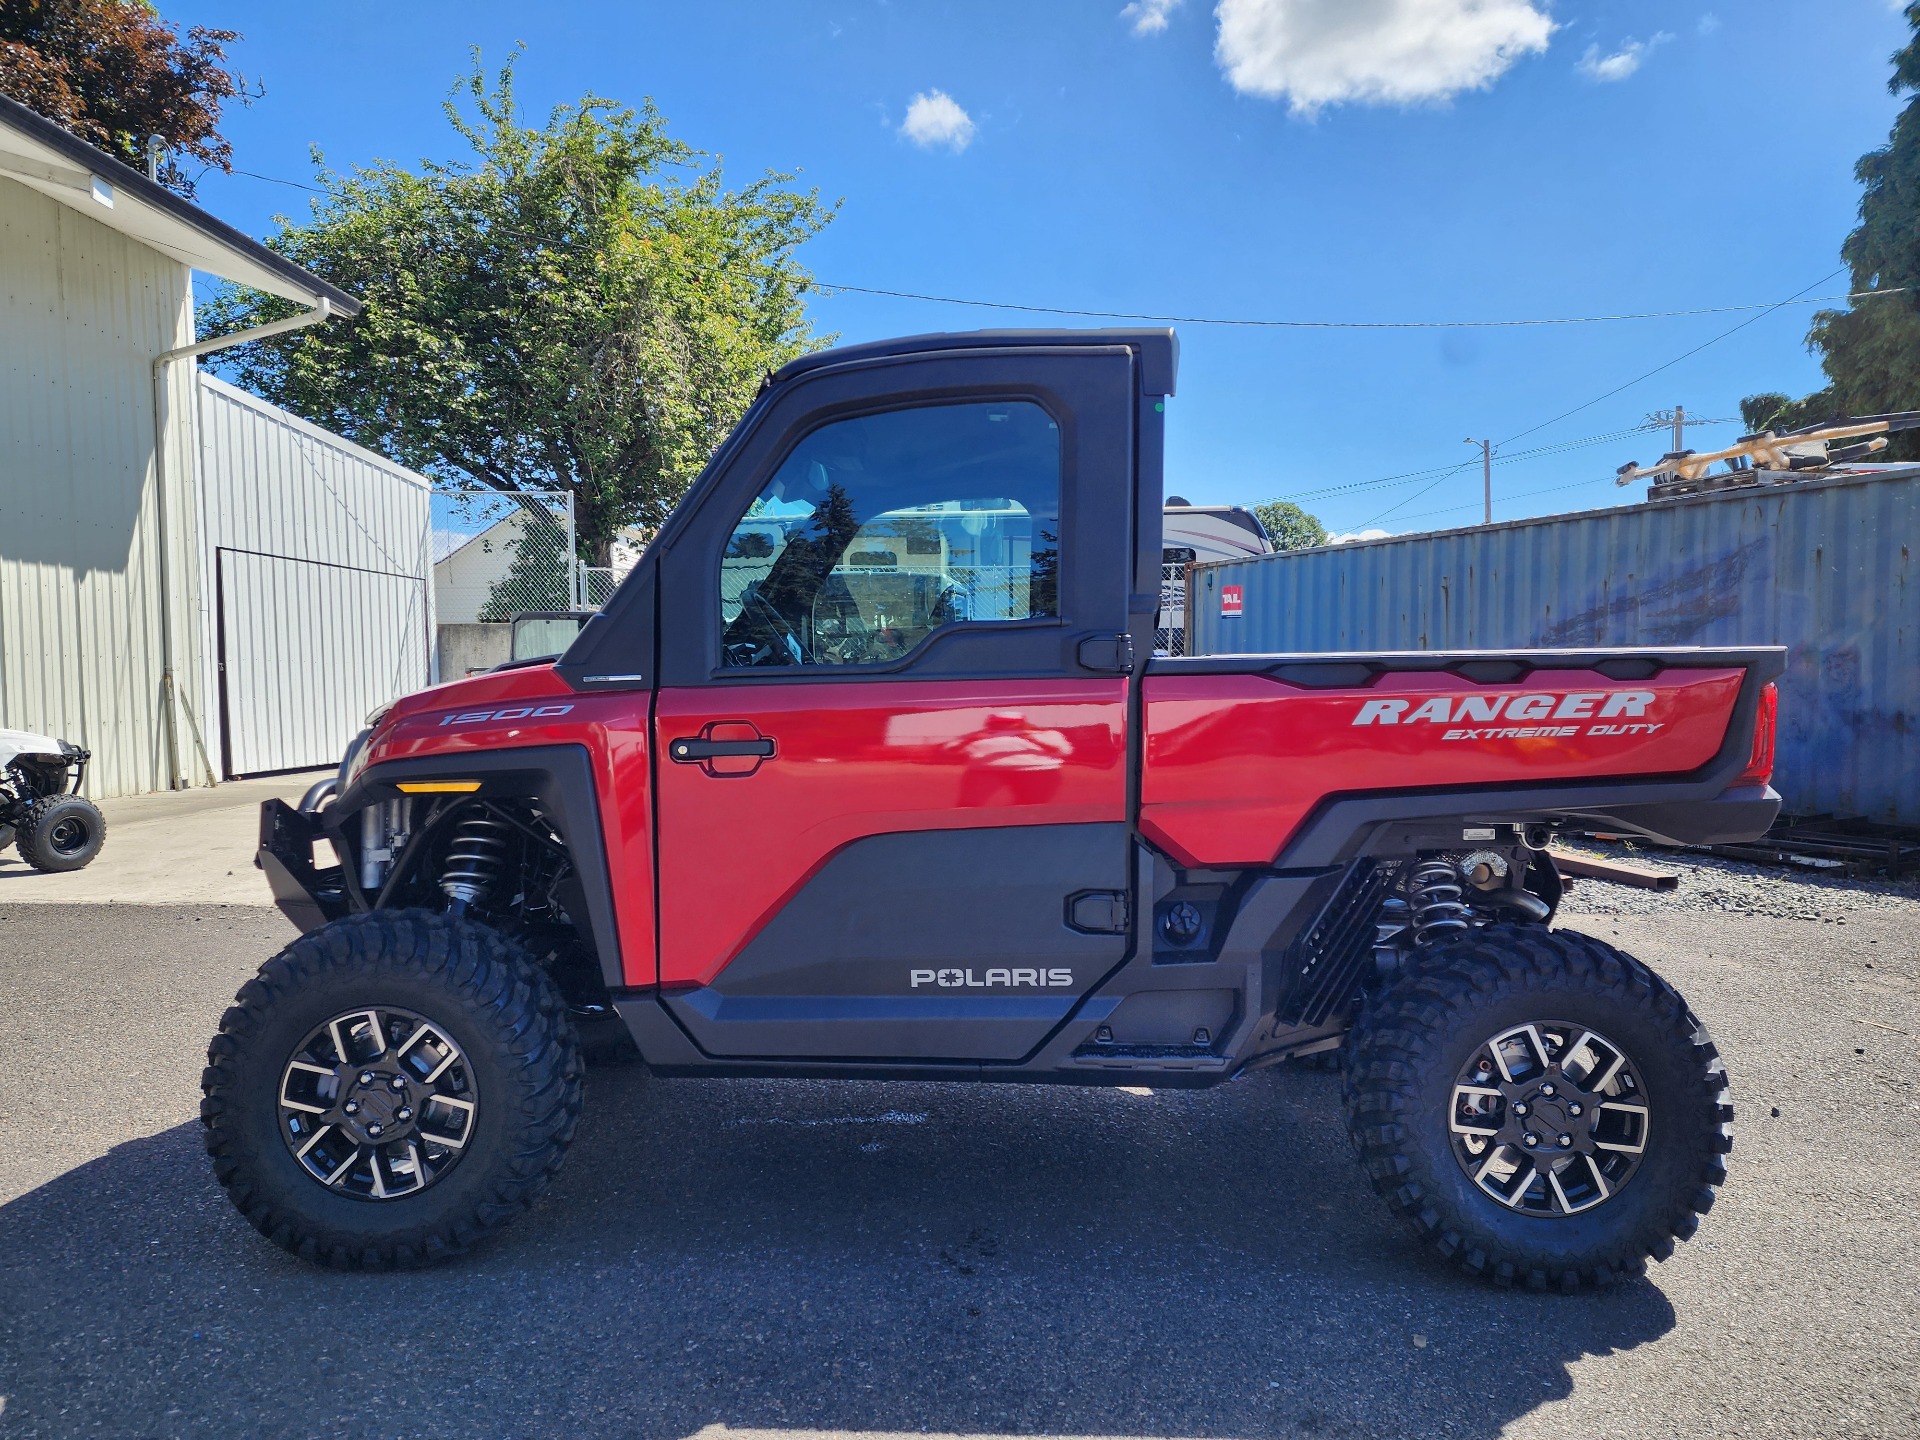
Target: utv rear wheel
(61, 832)
(389, 1089)
(1541, 1107)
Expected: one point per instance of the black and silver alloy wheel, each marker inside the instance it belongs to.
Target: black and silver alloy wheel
(1539, 1107)
(390, 1089)
(378, 1103)
(1548, 1118)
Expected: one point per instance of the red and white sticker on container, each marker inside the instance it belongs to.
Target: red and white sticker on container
(1229, 602)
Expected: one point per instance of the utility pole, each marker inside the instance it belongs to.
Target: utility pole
(1486, 471)
(1677, 418)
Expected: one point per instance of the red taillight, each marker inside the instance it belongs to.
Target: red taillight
(1760, 763)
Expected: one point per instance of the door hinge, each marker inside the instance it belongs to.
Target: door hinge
(1099, 912)
(1111, 654)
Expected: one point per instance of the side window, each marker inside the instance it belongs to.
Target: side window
(878, 530)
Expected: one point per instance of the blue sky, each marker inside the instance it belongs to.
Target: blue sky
(1357, 160)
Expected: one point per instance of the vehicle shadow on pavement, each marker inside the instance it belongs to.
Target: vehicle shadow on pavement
(811, 1256)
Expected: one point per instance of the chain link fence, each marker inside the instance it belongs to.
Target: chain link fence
(597, 584)
(505, 555)
(1170, 626)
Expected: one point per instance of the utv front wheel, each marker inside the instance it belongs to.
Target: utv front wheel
(389, 1089)
(61, 832)
(1540, 1107)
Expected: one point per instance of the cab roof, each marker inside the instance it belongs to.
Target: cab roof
(1159, 350)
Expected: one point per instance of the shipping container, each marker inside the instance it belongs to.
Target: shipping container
(1823, 566)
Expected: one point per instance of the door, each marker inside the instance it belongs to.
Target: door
(892, 797)
(306, 649)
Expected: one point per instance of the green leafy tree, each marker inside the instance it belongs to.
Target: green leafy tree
(1289, 527)
(1871, 352)
(537, 578)
(116, 74)
(583, 307)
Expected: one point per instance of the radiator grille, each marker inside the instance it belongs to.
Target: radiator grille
(1326, 962)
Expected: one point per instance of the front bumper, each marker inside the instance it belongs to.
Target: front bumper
(307, 894)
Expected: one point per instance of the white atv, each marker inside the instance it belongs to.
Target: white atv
(41, 810)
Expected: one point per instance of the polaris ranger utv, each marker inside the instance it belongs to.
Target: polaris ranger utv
(867, 771)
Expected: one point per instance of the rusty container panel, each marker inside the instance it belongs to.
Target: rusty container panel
(1823, 567)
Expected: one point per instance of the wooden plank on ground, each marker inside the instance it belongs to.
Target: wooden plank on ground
(1620, 872)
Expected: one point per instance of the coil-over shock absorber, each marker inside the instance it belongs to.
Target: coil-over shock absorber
(476, 857)
(1439, 911)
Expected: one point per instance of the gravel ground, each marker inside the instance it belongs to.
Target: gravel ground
(1731, 887)
(780, 1258)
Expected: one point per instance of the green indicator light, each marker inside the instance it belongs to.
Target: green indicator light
(1159, 406)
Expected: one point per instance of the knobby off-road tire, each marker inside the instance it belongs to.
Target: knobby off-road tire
(1416, 1038)
(61, 832)
(519, 1058)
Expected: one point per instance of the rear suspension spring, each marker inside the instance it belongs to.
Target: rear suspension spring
(1439, 911)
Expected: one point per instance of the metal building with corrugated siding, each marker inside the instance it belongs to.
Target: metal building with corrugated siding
(318, 604)
(1822, 566)
(128, 481)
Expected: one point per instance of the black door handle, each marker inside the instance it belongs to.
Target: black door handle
(693, 751)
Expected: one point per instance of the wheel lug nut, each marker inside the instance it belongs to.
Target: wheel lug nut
(1573, 1109)
(352, 1107)
(1565, 1141)
(366, 1077)
(375, 1128)
(1531, 1141)
(403, 1113)
(399, 1083)
(1519, 1107)
(1546, 1089)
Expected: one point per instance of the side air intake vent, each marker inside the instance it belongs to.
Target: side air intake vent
(1326, 962)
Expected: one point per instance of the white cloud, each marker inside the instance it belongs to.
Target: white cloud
(935, 118)
(1622, 62)
(1149, 17)
(1377, 52)
(1709, 23)
(1349, 536)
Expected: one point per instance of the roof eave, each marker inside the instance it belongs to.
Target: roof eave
(221, 247)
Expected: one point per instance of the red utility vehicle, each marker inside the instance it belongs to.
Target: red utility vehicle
(868, 770)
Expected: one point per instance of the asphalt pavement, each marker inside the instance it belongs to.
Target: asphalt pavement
(723, 1258)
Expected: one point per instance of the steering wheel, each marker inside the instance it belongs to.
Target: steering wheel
(774, 621)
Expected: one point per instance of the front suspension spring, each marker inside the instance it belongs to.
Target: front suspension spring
(476, 858)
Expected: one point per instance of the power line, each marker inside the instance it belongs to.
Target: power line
(1522, 495)
(826, 287)
(1538, 453)
(1797, 298)
(275, 180)
(1518, 457)
(1416, 495)
(1587, 405)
